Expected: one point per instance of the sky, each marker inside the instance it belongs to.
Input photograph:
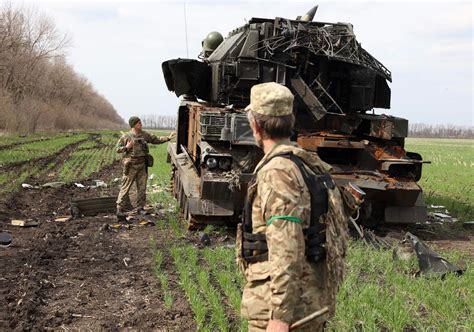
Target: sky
(119, 47)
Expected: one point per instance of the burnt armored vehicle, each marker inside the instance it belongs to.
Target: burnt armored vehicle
(337, 85)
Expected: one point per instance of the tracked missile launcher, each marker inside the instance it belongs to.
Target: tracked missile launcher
(337, 86)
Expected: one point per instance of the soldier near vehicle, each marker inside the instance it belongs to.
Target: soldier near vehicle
(135, 162)
(292, 244)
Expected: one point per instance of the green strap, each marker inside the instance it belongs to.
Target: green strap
(289, 218)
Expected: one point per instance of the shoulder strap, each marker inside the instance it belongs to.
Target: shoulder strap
(314, 183)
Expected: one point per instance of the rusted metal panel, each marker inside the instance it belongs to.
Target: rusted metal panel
(311, 101)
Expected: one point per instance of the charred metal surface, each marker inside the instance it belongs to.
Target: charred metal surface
(336, 83)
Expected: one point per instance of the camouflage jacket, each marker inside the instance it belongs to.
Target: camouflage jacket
(140, 146)
(281, 210)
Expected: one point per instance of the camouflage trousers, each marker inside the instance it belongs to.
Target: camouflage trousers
(256, 302)
(133, 173)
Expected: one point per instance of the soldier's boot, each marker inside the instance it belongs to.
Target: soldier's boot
(121, 217)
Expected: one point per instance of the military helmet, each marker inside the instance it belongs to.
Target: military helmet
(212, 40)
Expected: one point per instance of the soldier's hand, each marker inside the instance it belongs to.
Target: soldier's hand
(129, 144)
(276, 325)
(172, 135)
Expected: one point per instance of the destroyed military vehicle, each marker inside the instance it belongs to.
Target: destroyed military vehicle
(337, 85)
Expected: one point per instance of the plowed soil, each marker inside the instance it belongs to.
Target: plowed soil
(81, 274)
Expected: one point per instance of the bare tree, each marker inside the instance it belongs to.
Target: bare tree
(155, 121)
(440, 131)
(37, 85)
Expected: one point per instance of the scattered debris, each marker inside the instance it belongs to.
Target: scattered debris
(204, 239)
(5, 240)
(115, 180)
(403, 250)
(24, 223)
(151, 177)
(145, 222)
(377, 241)
(28, 186)
(121, 217)
(98, 184)
(63, 218)
(468, 224)
(126, 260)
(92, 206)
(118, 226)
(56, 184)
(79, 185)
(439, 213)
(430, 262)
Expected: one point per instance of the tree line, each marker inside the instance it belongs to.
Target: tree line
(39, 89)
(154, 121)
(439, 131)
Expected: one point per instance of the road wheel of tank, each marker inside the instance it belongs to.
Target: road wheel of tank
(173, 181)
(181, 199)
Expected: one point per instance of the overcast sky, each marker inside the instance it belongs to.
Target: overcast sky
(119, 47)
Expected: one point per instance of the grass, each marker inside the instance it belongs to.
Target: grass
(382, 294)
(95, 152)
(39, 149)
(9, 138)
(163, 278)
(378, 293)
(449, 179)
(190, 287)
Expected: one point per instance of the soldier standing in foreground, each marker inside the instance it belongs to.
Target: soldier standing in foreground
(136, 159)
(291, 269)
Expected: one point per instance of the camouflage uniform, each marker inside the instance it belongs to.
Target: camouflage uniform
(134, 166)
(287, 286)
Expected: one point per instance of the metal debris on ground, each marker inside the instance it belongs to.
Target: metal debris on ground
(24, 223)
(79, 185)
(5, 240)
(63, 218)
(377, 241)
(28, 186)
(468, 224)
(126, 260)
(430, 262)
(439, 213)
(56, 184)
(118, 226)
(98, 184)
(204, 239)
(92, 206)
(403, 251)
(145, 222)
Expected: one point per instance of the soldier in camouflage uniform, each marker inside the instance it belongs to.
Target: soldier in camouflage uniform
(134, 147)
(286, 286)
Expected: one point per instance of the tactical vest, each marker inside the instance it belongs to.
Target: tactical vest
(141, 141)
(254, 246)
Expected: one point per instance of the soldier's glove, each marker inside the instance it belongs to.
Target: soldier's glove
(171, 136)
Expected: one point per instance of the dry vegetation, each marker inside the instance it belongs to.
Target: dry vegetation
(39, 89)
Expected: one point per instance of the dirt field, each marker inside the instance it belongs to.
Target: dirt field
(86, 274)
(72, 274)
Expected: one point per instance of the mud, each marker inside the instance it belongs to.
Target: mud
(81, 274)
